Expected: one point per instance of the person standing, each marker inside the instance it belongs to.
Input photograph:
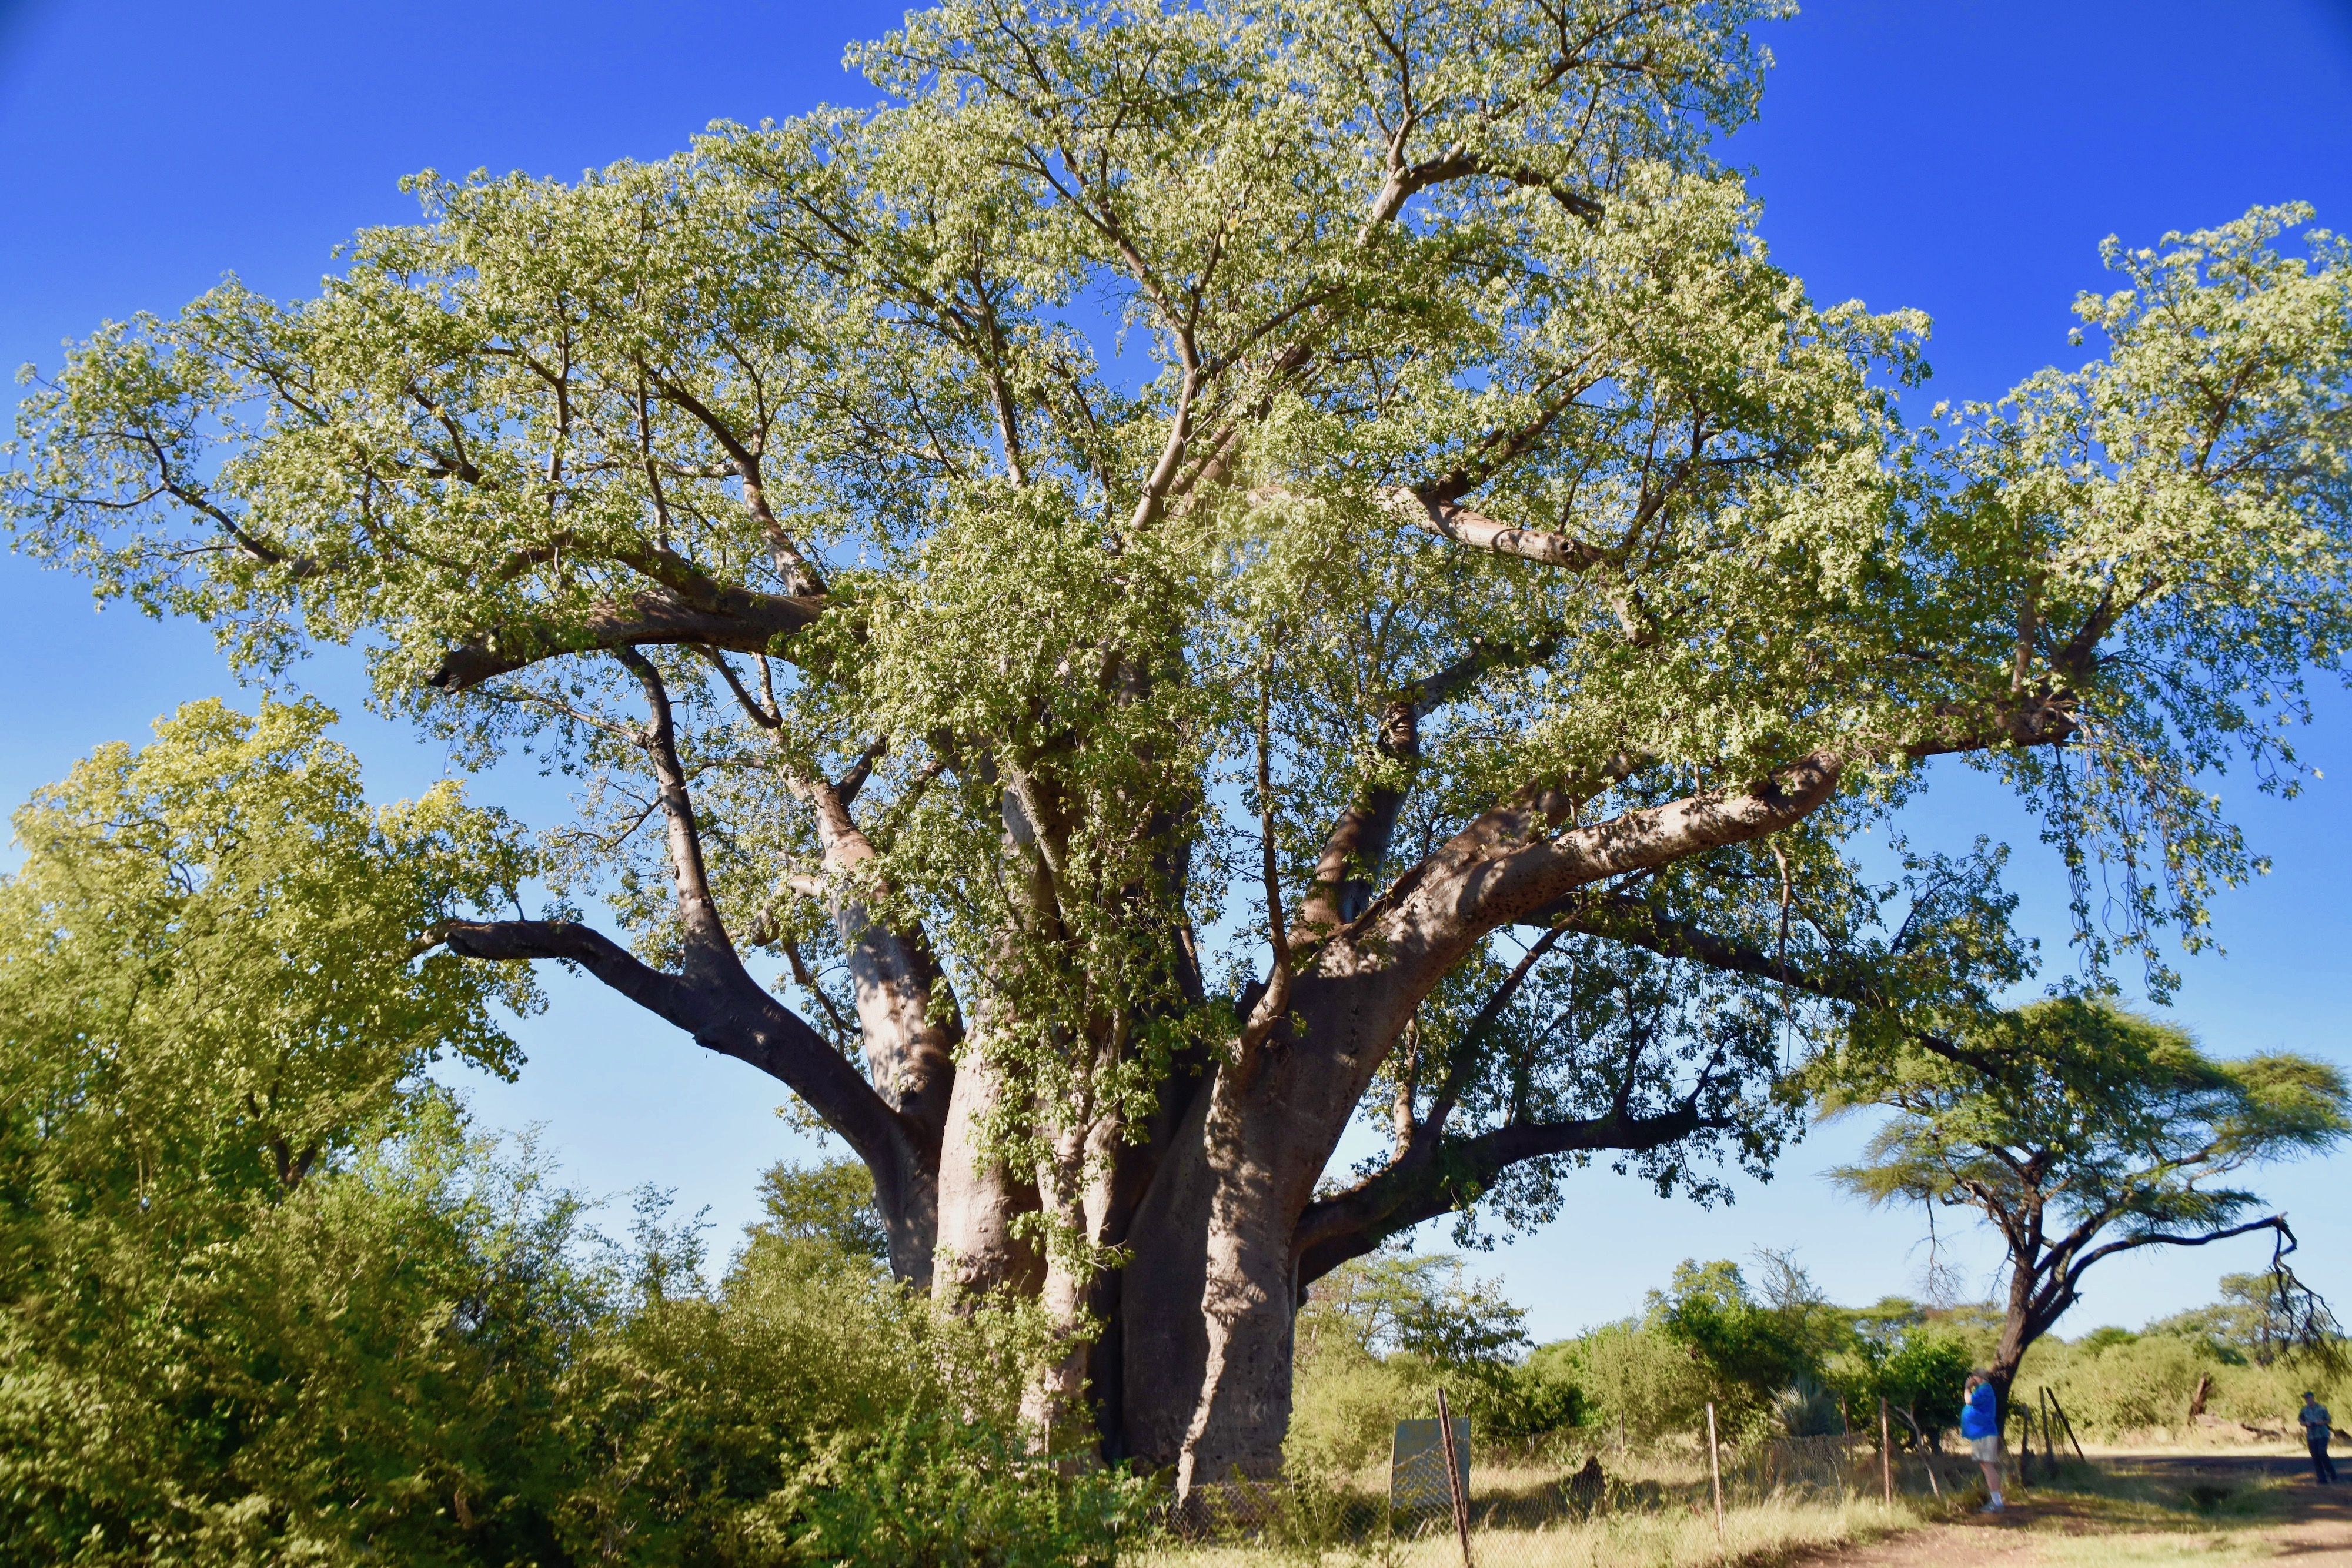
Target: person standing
(1980, 1425)
(2316, 1426)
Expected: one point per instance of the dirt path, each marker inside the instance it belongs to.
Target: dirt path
(2134, 1510)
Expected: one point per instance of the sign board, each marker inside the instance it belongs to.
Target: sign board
(1417, 1465)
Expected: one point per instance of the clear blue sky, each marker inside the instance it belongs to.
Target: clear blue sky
(1963, 158)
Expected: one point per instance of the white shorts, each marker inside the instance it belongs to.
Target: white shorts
(1986, 1448)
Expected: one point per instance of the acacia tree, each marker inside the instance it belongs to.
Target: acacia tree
(1199, 571)
(2081, 1131)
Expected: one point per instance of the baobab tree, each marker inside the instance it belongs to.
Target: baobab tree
(1201, 572)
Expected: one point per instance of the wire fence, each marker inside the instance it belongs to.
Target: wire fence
(1513, 1507)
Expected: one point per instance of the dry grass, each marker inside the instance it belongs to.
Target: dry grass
(1760, 1533)
(1655, 1511)
(2115, 1516)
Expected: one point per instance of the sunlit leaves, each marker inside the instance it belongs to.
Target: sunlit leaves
(1015, 443)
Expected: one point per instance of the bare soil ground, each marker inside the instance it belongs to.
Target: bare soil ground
(2122, 1510)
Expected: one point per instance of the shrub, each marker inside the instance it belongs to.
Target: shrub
(1636, 1378)
(2113, 1388)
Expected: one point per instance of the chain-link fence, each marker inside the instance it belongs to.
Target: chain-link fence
(1522, 1508)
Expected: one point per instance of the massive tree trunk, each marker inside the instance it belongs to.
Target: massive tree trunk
(1160, 1334)
(1261, 1164)
(1210, 1299)
(980, 1197)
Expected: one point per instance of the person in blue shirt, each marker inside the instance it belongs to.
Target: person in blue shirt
(2317, 1426)
(1980, 1425)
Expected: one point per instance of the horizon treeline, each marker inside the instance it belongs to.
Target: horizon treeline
(1774, 1354)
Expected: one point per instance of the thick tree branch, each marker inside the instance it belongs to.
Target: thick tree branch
(2275, 1222)
(709, 951)
(1450, 1173)
(1456, 162)
(1480, 532)
(1359, 840)
(741, 1021)
(738, 619)
(1513, 858)
(894, 975)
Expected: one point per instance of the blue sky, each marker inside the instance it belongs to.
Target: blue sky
(1963, 158)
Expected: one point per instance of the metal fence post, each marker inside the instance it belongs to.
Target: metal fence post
(1885, 1453)
(1714, 1465)
(1453, 1475)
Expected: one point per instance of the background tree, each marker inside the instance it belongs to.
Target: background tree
(1476, 534)
(1380, 1334)
(259, 1294)
(829, 1203)
(2079, 1131)
(1896, 1351)
(220, 955)
(1749, 1351)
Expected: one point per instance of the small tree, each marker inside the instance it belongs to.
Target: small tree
(1749, 1351)
(829, 1203)
(1895, 1352)
(2080, 1131)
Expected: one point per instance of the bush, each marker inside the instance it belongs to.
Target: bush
(1344, 1412)
(266, 1298)
(1637, 1379)
(2115, 1388)
(935, 1490)
(812, 1410)
(1381, 1335)
(363, 1370)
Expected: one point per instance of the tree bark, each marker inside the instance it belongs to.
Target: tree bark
(980, 1197)
(909, 1039)
(1258, 1184)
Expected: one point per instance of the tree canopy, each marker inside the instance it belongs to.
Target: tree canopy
(1136, 563)
(212, 952)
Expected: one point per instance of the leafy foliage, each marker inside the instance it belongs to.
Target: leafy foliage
(1776, 1357)
(265, 1298)
(2151, 1384)
(2254, 1321)
(1747, 1351)
(829, 1203)
(1395, 1302)
(1451, 441)
(1380, 1334)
